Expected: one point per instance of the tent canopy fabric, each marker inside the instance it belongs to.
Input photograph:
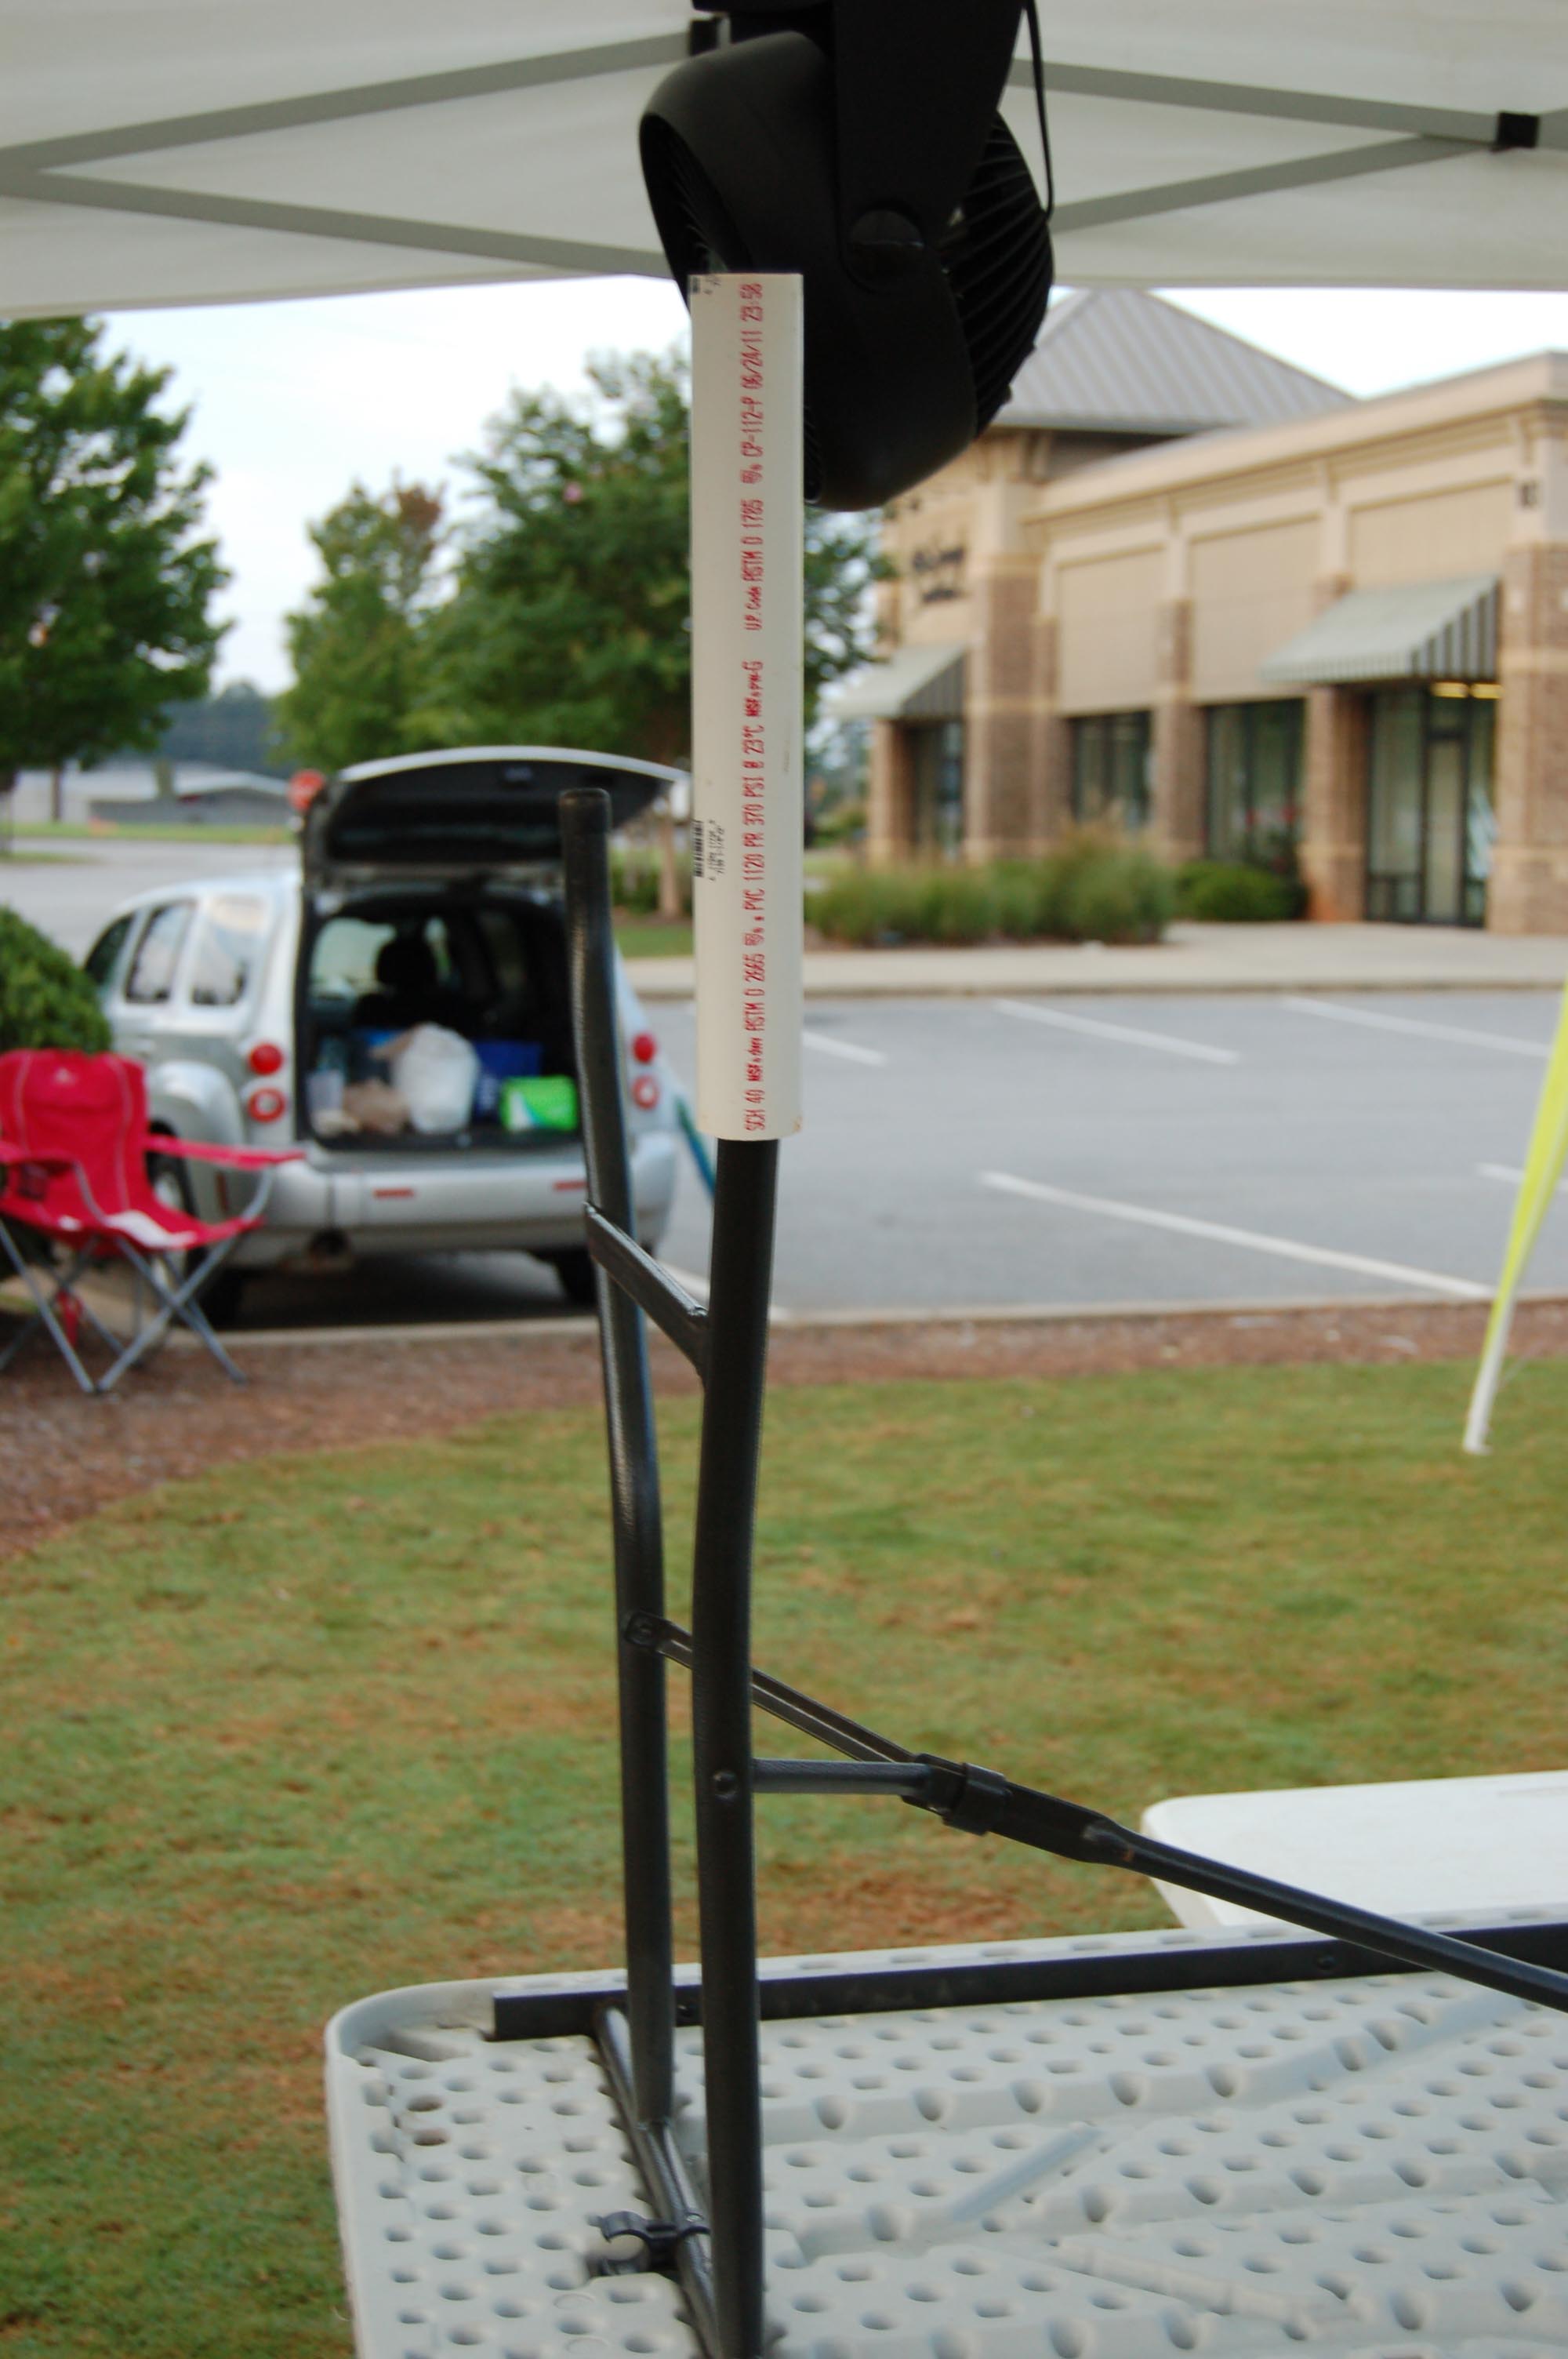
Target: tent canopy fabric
(917, 684)
(218, 150)
(1423, 630)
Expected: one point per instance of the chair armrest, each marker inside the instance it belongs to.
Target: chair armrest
(11, 1154)
(238, 1158)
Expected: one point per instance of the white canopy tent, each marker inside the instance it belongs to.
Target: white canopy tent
(198, 151)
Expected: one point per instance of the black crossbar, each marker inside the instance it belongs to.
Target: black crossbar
(982, 1803)
(909, 1780)
(650, 1285)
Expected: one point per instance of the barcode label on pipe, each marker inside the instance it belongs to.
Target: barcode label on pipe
(747, 527)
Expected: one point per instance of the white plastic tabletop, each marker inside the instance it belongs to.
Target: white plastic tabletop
(1484, 1845)
(1375, 2167)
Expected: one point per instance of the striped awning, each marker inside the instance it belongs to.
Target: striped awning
(915, 684)
(1420, 630)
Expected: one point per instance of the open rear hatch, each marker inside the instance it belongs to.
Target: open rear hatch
(432, 906)
(477, 810)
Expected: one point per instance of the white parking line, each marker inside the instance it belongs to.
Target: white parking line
(1055, 1016)
(1510, 1172)
(1285, 1247)
(845, 1049)
(1415, 1023)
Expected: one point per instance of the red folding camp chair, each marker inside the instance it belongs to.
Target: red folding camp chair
(74, 1180)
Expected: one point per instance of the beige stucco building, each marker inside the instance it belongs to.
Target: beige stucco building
(1344, 630)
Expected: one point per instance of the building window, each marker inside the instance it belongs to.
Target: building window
(1110, 770)
(937, 765)
(1429, 818)
(1254, 781)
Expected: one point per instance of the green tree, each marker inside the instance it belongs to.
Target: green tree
(357, 644)
(105, 589)
(571, 621)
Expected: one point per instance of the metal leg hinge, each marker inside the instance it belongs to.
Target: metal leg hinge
(646, 1631)
(661, 2241)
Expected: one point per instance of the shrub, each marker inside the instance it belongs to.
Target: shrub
(1091, 891)
(906, 905)
(45, 1001)
(954, 906)
(1105, 892)
(852, 906)
(1219, 892)
(1020, 902)
(634, 880)
(845, 824)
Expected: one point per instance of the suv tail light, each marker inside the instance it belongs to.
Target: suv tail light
(266, 1106)
(266, 1057)
(645, 1092)
(644, 1048)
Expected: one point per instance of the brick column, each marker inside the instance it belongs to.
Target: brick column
(1051, 748)
(1333, 798)
(1529, 891)
(890, 799)
(1333, 834)
(1000, 712)
(1176, 820)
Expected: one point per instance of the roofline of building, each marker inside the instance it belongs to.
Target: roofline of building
(1057, 422)
(1244, 450)
(1175, 303)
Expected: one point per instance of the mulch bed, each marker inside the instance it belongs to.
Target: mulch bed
(62, 1455)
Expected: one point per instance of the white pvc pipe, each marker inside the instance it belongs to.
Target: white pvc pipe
(748, 520)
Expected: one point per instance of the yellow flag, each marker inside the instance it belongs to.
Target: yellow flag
(1543, 1170)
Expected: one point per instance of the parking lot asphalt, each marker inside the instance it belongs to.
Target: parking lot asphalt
(970, 1155)
(73, 891)
(993, 1154)
(999, 1153)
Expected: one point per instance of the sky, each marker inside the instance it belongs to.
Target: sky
(293, 402)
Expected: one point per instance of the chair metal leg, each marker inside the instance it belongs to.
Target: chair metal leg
(174, 1303)
(44, 1315)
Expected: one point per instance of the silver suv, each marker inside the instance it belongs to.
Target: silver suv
(271, 1007)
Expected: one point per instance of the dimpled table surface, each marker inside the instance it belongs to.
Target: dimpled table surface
(1372, 2167)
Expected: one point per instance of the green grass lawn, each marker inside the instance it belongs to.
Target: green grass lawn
(70, 830)
(640, 938)
(300, 1730)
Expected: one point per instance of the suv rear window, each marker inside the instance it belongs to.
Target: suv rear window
(105, 956)
(348, 952)
(151, 978)
(228, 950)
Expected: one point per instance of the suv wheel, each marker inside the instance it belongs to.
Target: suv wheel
(573, 1266)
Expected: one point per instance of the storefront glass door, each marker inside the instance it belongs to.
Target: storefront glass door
(1428, 822)
(938, 762)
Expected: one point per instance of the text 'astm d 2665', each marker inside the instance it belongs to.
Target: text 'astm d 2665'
(748, 519)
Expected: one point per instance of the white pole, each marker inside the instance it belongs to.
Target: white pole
(1489, 1377)
(747, 522)
(1544, 1165)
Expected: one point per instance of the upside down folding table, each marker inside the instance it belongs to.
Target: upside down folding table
(1099, 2149)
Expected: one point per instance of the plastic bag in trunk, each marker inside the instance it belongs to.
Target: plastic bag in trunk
(434, 1071)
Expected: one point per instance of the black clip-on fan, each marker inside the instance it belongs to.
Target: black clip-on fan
(858, 143)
